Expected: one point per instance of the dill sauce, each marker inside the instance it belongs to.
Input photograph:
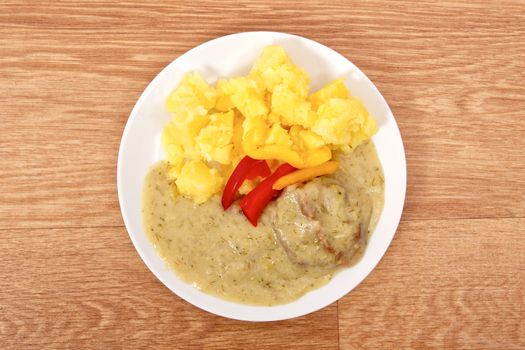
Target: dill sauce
(221, 253)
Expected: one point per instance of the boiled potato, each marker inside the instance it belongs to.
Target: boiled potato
(267, 114)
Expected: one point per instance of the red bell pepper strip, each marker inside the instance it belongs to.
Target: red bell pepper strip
(259, 168)
(248, 168)
(253, 203)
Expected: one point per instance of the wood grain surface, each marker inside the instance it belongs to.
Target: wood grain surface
(454, 75)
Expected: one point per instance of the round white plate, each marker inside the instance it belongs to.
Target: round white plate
(230, 56)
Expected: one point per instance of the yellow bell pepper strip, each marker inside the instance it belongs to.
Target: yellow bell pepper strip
(306, 174)
(284, 154)
(317, 157)
(288, 155)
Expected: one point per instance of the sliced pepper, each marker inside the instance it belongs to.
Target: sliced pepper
(247, 169)
(289, 155)
(253, 203)
(306, 174)
(274, 152)
(317, 157)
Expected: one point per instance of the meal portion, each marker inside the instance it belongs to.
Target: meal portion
(266, 190)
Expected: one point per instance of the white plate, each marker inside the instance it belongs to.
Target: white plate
(230, 56)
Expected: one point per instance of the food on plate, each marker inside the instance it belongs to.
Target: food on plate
(266, 190)
(267, 115)
(306, 174)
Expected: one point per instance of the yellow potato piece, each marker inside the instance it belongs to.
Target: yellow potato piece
(255, 130)
(246, 96)
(335, 88)
(175, 157)
(224, 102)
(272, 117)
(237, 151)
(247, 186)
(292, 108)
(214, 141)
(278, 136)
(344, 122)
(198, 181)
(182, 133)
(274, 67)
(192, 97)
(305, 139)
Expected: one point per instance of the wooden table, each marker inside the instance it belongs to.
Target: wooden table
(453, 74)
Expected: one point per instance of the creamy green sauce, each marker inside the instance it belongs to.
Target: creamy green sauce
(222, 254)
